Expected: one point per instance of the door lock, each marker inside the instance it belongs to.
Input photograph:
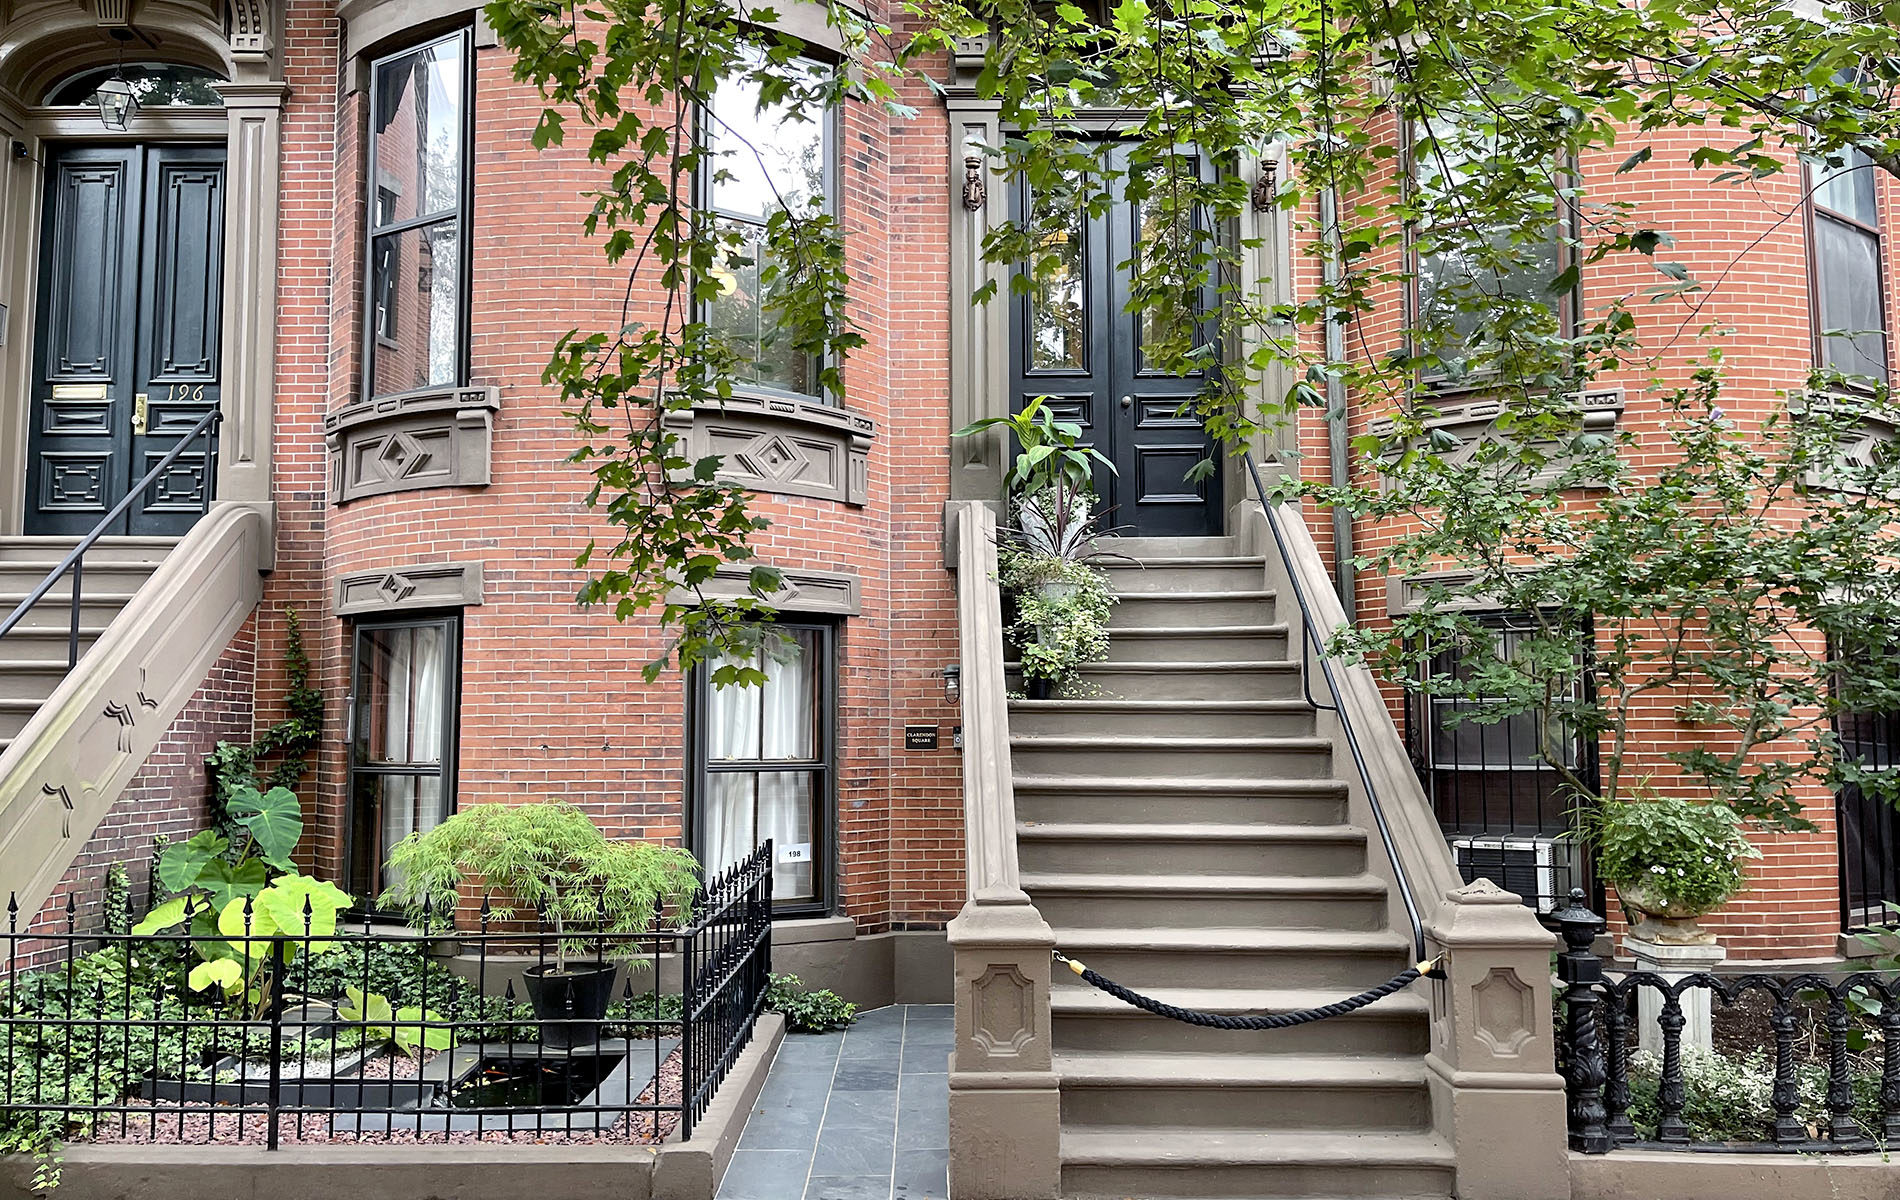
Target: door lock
(140, 414)
(1128, 402)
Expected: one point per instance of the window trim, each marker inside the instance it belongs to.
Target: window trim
(831, 129)
(825, 797)
(1566, 231)
(370, 340)
(1814, 213)
(448, 770)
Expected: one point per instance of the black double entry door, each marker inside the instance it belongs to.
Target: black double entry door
(127, 336)
(1075, 344)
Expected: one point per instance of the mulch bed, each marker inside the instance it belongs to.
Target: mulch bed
(160, 1127)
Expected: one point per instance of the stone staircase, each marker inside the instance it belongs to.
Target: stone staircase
(1183, 829)
(33, 655)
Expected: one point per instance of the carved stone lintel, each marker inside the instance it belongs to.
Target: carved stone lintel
(802, 590)
(394, 589)
(436, 438)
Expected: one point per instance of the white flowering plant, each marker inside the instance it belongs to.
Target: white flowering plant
(1686, 852)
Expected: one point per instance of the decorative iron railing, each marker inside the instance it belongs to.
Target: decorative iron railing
(377, 1034)
(1834, 1044)
(75, 560)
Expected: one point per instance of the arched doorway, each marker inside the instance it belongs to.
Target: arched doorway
(129, 304)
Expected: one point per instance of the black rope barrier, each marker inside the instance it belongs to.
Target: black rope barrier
(1431, 968)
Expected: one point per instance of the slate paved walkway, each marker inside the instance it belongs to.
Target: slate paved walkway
(858, 1115)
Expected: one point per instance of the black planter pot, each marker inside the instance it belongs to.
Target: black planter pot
(1038, 689)
(570, 1004)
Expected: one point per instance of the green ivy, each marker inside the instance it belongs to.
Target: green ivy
(280, 756)
(1062, 607)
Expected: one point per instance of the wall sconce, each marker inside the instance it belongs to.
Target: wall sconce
(952, 683)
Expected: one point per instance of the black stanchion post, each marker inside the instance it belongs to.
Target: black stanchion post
(1581, 971)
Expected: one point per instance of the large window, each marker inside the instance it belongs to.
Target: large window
(763, 765)
(1463, 268)
(405, 692)
(765, 158)
(1849, 304)
(1502, 805)
(417, 296)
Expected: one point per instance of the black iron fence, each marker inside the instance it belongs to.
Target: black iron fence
(239, 1026)
(1823, 1075)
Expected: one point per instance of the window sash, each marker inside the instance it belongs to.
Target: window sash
(717, 831)
(1865, 352)
(447, 201)
(372, 834)
(800, 373)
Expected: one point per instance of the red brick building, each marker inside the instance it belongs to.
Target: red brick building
(343, 239)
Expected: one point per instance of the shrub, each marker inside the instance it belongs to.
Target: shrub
(1688, 853)
(807, 1011)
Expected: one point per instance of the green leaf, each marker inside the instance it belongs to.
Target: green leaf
(226, 883)
(1635, 160)
(275, 822)
(224, 972)
(166, 915)
(179, 865)
(286, 900)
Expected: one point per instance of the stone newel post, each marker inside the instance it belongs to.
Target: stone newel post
(1492, 1065)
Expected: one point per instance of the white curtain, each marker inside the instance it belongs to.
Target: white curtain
(772, 723)
(413, 676)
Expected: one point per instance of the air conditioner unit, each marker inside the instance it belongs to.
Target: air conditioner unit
(1525, 865)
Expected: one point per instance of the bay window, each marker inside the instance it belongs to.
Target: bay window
(763, 764)
(417, 297)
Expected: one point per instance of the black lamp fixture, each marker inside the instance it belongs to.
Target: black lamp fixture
(117, 102)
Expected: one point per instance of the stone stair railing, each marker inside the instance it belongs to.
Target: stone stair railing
(1491, 1068)
(1005, 1141)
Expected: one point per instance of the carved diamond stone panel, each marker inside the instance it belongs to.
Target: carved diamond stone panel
(438, 438)
(425, 585)
(1004, 1022)
(772, 444)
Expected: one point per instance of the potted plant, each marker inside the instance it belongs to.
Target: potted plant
(549, 857)
(1671, 860)
(1062, 602)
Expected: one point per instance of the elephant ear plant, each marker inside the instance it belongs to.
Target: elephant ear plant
(234, 897)
(549, 857)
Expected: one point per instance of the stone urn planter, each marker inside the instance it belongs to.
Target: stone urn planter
(1656, 918)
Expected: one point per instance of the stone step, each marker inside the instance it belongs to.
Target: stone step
(1087, 1019)
(30, 679)
(1188, 644)
(1080, 899)
(1168, 547)
(15, 713)
(50, 549)
(95, 608)
(1187, 681)
(1138, 800)
(1175, 610)
(1144, 957)
(1306, 1092)
(107, 575)
(1174, 757)
(1182, 848)
(1179, 1162)
(1210, 718)
(47, 643)
(1183, 574)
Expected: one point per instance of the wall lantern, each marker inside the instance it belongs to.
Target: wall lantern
(952, 683)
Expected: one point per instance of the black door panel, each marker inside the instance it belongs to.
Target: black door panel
(131, 263)
(1075, 342)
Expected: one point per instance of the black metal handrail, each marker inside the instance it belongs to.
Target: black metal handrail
(75, 560)
(1309, 635)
